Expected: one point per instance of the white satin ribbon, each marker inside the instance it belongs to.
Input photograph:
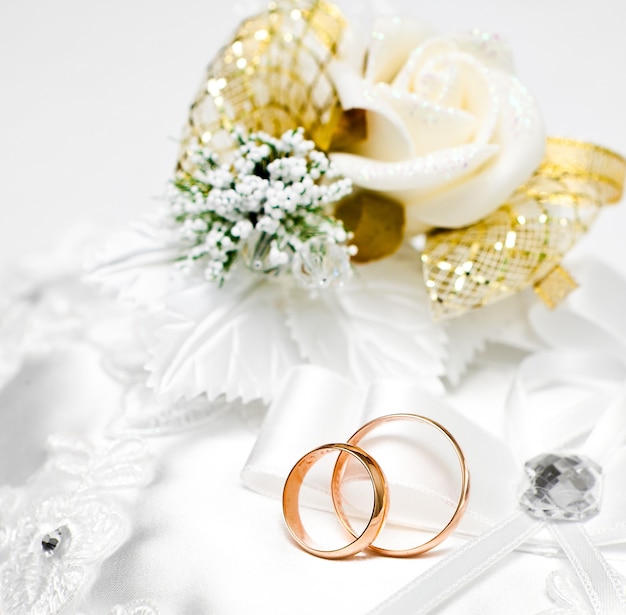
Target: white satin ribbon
(460, 568)
(590, 318)
(604, 588)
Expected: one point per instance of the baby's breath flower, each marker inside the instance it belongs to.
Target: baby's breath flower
(274, 193)
(242, 229)
(268, 225)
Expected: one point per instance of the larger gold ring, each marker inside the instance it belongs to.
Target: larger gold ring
(340, 467)
(291, 504)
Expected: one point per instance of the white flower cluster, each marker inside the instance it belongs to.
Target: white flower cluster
(263, 206)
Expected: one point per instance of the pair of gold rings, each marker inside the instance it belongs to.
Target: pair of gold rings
(364, 540)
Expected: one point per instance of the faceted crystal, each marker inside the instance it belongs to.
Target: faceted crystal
(562, 487)
(321, 263)
(50, 542)
(260, 254)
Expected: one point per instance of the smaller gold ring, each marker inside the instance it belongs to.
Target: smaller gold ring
(340, 467)
(291, 504)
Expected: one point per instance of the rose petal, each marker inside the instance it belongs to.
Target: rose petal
(490, 49)
(349, 84)
(480, 93)
(401, 126)
(520, 138)
(439, 83)
(430, 127)
(420, 175)
(392, 40)
(387, 136)
(470, 162)
(439, 86)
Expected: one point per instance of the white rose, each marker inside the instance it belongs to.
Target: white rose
(450, 131)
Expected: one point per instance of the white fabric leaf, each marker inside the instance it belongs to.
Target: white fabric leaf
(148, 414)
(505, 322)
(228, 341)
(377, 326)
(138, 264)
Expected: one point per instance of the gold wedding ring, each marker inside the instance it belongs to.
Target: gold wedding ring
(291, 503)
(463, 497)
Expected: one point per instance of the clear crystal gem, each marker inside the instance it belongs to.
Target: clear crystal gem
(51, 542)
(321, 263)
(261, 254)
(562, 487)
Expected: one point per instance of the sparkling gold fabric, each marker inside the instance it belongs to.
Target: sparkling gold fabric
(271, 77)
(555, 286)
(577, 162)
(524, 240)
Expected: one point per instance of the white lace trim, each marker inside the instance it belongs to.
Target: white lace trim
(53, 546)
(136, 607)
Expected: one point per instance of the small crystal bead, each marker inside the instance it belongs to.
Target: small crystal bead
(259, 254)
(50, 542)
(321, 263)
(562, 487)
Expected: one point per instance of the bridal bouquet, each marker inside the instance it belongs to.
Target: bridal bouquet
(373, 204)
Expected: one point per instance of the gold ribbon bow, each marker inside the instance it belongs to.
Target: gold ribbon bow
(273, 77)
(522, 243)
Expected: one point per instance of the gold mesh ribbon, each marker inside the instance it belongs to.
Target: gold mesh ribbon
(272, 76)
(522, 243)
